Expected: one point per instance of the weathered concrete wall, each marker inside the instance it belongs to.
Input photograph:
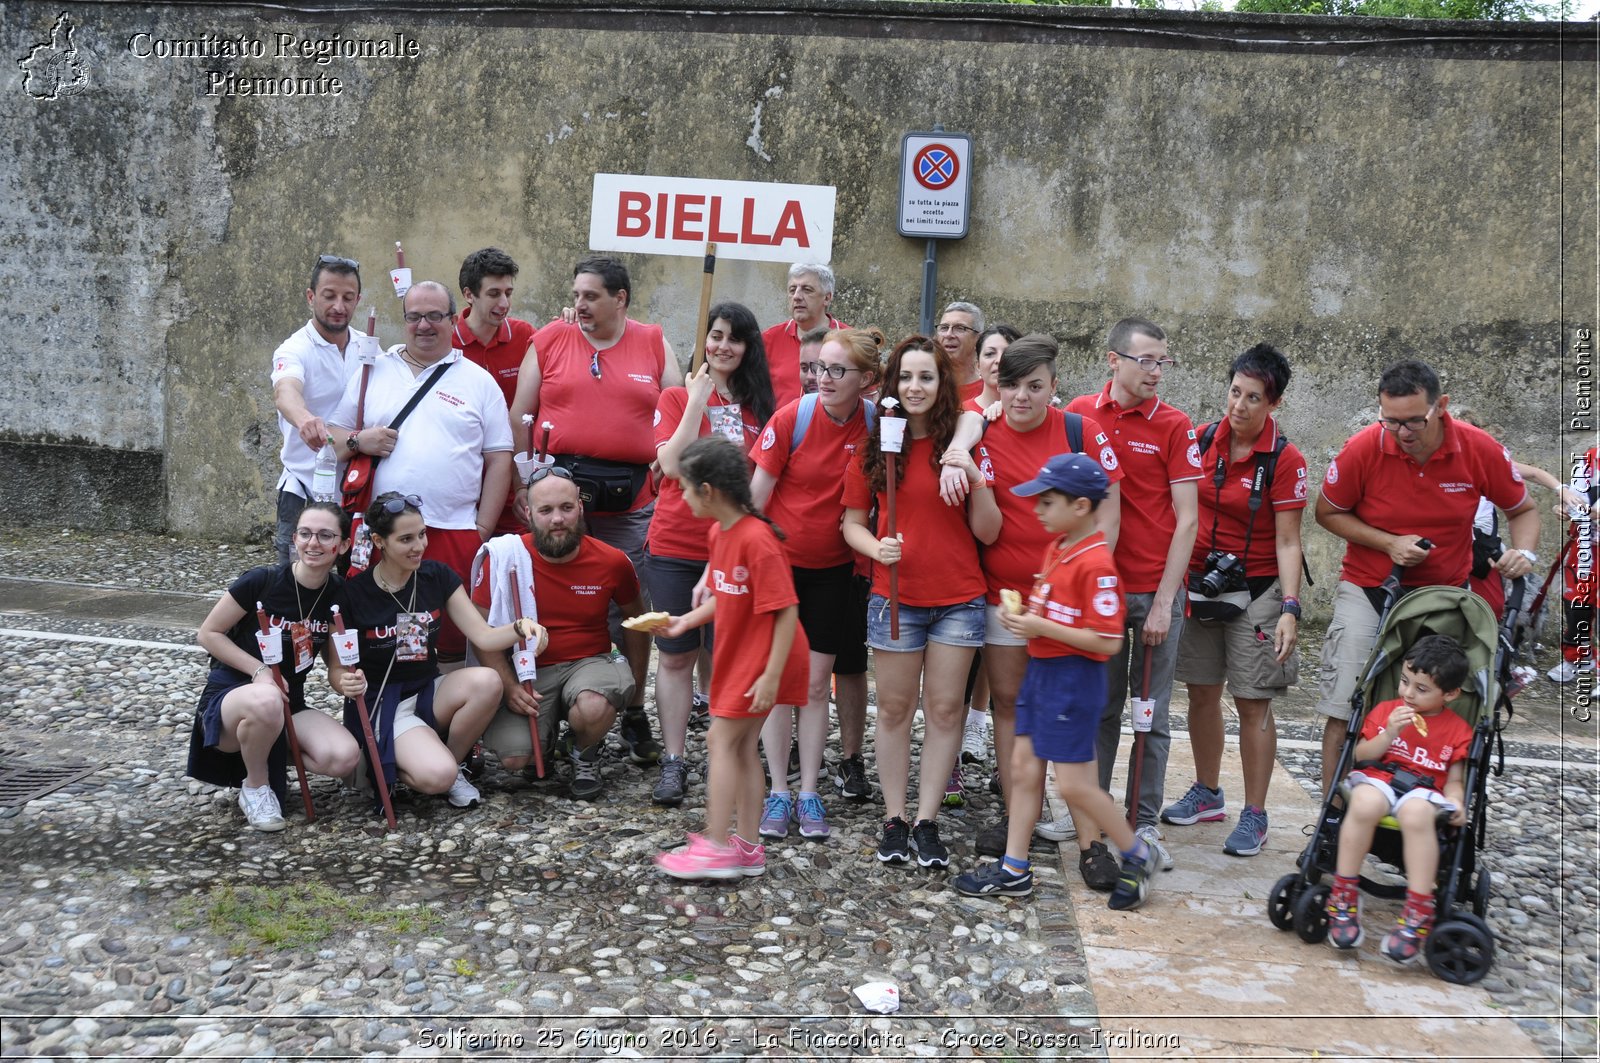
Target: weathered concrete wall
(1353, 191)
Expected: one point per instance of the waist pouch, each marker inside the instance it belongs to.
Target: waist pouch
(605, 486)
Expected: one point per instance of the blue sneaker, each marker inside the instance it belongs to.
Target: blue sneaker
(995, 880)
(811, 817)
(1250, 835)
(1200, 805)
(775, 816)
(1133, 881)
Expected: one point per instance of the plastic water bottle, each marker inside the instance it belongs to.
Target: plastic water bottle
(325, 476)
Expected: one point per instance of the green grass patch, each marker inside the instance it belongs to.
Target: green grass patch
(301, 914)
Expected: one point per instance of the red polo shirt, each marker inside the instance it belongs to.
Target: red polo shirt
(1007, 458)
(1376, 481)
(1230, 507)
(1077, 588)
(782, 342)
(1155, 446)
(502, 355)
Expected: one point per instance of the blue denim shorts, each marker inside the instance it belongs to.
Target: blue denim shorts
(952, 625)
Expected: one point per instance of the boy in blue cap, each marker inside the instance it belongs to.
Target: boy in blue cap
(1073, 621)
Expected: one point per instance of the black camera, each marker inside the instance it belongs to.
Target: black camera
(1224, 572)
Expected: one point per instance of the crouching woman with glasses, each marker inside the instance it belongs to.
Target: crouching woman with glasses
(237, 738)
(425, 722)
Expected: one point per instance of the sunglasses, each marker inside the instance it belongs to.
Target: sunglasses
(549, 470)
(594, 365)
(400, 503)
(337, 260)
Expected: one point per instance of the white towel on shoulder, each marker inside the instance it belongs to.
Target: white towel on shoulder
(504, 559)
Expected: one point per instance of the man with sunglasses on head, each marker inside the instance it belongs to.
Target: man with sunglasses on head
(810, 293)
(595, 381)
(576, 579)
(309, 373)
(454, 447)
(1154, 444)
(957, 334)
(1417, 474)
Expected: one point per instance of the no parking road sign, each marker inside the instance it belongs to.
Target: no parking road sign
(935, 177)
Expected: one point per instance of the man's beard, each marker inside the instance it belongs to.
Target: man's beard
(559, 544)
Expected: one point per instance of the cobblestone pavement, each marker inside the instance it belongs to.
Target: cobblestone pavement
(143, 920)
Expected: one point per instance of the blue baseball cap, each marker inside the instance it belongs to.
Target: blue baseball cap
(1074, 474)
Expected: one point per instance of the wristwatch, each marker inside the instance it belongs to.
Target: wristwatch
(1533, 558)
(1292, 607)
(350, 442)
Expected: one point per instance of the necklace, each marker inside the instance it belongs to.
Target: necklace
(405, 356)
(378, 581)
(295, 575)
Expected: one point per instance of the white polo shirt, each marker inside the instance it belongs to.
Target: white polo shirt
(439, 453)
(323, 371)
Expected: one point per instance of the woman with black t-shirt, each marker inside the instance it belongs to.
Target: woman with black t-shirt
(237, 739)
(425, 722)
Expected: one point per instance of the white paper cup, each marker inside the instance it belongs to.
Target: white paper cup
(528, 464)
(892, 434)
(401, 276)
(1144, 713)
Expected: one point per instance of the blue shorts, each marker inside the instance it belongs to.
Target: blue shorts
(960, 624)
(1059, 707)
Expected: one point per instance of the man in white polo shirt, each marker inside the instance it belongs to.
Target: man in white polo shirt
(453, 450)
(309, 372)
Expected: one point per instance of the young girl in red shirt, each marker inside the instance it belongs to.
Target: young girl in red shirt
(760, 660)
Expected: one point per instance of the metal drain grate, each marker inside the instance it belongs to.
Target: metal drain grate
(23, 780)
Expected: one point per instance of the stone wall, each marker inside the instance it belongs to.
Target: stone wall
(1353, 191)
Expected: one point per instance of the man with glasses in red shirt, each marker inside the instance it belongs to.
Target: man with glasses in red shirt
(1417, 474)
(957, 334)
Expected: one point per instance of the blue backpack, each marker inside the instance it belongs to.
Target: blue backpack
(808, 410)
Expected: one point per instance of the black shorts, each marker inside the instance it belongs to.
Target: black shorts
(852, 623)
(825, 598)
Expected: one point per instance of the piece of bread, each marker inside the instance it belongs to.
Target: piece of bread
(648, 622)
(1011, 601)
(1421, 725)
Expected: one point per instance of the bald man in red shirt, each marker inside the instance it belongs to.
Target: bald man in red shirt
(1416, 474)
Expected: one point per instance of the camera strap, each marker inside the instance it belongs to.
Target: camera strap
(1266, 465)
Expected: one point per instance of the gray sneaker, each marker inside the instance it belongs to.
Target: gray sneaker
(1160, 857)
(587, 783)
(462, 794)
(1249, 835)
(673, 782)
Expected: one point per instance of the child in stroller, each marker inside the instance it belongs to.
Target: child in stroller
(1410, 763)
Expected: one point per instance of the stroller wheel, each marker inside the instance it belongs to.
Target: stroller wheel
(1311, 914)
(1460, 950)
(1280, 904)
(1480, 894)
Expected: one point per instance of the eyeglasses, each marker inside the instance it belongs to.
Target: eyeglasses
(594, 365)
(1147, 364)
(338, 260)
(399, 504)
(560, 471)
(810, 367)
(433, 316)
(953, 329)
(326, 538)
(836, 372)
(1410, 424)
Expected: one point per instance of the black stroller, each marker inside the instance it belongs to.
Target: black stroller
(1460, 948)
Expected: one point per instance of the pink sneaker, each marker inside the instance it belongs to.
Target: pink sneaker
(702, 859)
(751, 857)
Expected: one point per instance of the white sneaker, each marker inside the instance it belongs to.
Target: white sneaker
(1152, 838)
(975, 738)
(1565, 672)
(462, 794)
(260, 807)
(1061, 829)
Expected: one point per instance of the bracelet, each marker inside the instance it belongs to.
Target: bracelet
(258, 671)
(982, 484)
